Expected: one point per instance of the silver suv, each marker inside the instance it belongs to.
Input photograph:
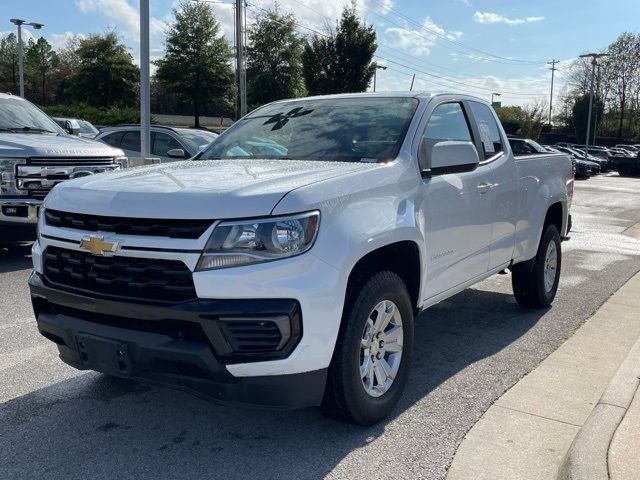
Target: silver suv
(35, 155)
(167, 143)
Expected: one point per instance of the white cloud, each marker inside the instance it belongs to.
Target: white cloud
(487, 17)
(419, 41)
(126, 19)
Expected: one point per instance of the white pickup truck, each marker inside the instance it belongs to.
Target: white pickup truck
(285, 265)
(35, 155)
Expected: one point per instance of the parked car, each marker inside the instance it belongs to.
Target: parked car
(581, 169)
(77, 126)
(593, 164)
(293, 280)
(167, 143)
(526, 146)
(35, 155)
(631, 149)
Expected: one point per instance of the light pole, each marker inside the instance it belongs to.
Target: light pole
(378, 67)
(594, 62)
(492, 95)
(145, 110)
(19, 22)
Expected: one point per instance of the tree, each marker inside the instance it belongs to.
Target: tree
(40, 61)
(9, 64)
(624, 63)
(341, 61)
(197, 63)
(580, 116)
(106, 74)
(274, 59)
(68, 67)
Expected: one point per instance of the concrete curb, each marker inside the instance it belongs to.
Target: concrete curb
(587, 458)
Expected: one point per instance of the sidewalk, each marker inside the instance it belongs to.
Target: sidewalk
(555, 422)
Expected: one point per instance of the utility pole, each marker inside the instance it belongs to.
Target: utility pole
(553, 70)
(241, 76)
(19, 22)
(595, 121)
(594, 62)
(412, 80)
(145, 109)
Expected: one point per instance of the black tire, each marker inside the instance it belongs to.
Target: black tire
(624, 170)
(529, 286)
(345, 397)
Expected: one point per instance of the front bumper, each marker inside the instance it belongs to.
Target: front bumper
(19, 211)
(181, 346)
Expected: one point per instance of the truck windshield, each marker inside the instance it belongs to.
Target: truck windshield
(356, 129)
(17, 115)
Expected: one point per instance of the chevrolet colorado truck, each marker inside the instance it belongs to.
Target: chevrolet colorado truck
(35, 155)
(284, 266)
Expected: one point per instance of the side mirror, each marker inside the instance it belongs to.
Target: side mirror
(176, 153)
(72, 127)
(447, 157)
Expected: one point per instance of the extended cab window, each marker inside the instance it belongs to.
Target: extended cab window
(488, 129)
(447, 122)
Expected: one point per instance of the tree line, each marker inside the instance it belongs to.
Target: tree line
(196, 74)
(616, 103)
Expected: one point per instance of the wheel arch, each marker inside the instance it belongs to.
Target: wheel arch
(401, 257)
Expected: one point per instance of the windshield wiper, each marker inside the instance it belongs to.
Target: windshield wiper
(27, 129)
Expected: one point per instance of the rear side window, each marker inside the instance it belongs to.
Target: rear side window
(113, 139)
(447, 122)
(162, 143)
(488, 129)
(131, 141)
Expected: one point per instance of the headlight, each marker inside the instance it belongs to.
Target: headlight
(123, 162)
(247, 242)
(8, 184)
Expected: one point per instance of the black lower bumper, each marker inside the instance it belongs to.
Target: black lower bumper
(171, 346)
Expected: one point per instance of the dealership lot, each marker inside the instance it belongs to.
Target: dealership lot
(61, 423)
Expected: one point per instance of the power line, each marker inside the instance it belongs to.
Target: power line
(445, 37)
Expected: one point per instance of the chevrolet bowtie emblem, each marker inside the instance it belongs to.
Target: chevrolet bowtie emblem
(97, 246)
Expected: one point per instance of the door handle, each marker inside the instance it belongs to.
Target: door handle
(485, 187)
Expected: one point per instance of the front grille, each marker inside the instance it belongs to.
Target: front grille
(40, 175)
(252, 336)
(132, 278)
(128, 226)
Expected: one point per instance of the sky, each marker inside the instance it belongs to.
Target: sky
(472, 46)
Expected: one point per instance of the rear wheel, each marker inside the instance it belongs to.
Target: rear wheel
(371, 361)
(624, 170)
(537, 288)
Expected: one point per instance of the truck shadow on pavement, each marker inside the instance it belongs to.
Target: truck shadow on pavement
(94, 426)
(15, 256)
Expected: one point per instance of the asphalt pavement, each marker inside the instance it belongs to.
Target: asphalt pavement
(56, 422)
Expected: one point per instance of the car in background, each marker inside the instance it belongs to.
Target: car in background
(526, 146)
(77, 126)
(167, 143)
(631, 149)
(582, 169)
(603, 163)
(36, 155)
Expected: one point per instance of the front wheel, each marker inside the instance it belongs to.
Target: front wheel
(537, 288)
(371, 361)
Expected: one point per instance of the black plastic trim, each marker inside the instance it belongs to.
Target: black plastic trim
(205, 314)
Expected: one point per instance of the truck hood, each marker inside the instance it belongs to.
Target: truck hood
(198, 189)
(22, 145)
